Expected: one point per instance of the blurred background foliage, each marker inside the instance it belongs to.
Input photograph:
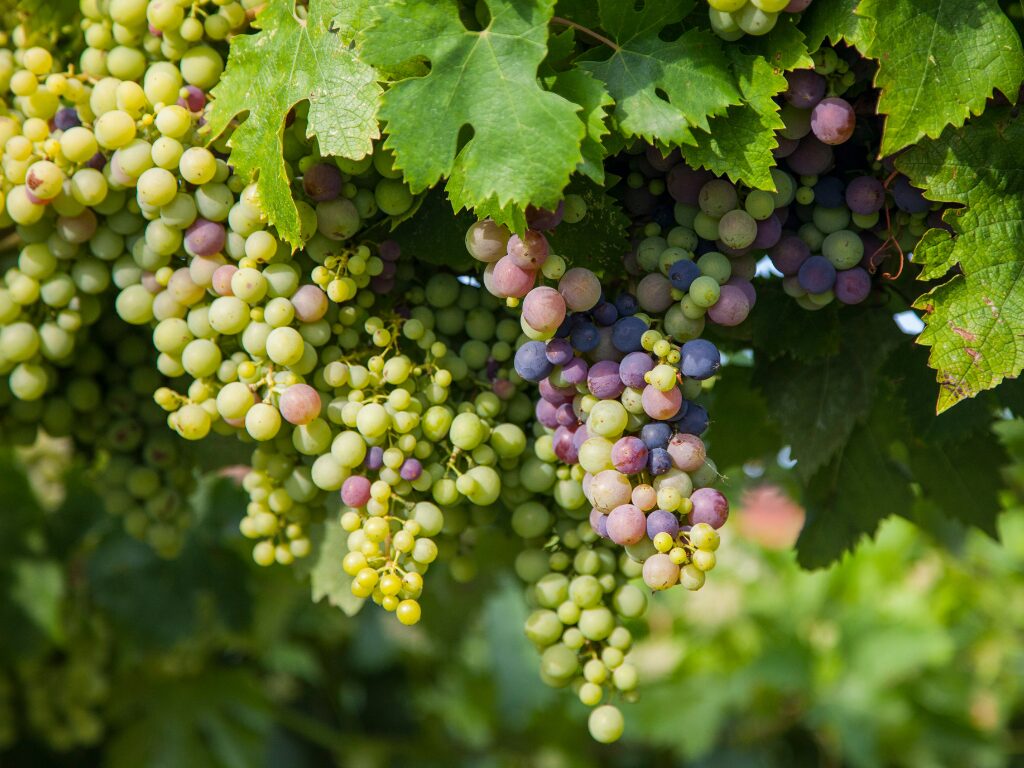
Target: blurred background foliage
(905, 653)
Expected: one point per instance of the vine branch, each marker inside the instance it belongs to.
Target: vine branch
(585, 30)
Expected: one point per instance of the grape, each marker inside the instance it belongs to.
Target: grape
(531, 361)
(626, 524)
(511, 280)
(852, 286)
(300, 404)
(580, 288)
(661, 405)
(865, 195)
(682, 273)
(833, 121)
(843, 248)
(817, 275)
(528, 252)
(737, 229)
(806, 88)
(700, 359)
(632, 368)
(717, 197)
(629, 455)
(797, 6)
(908, 198)
(626, 334)
(754, 21)
(544, 309)
(654, 293)
(811, 158)
(487, 241)
(709, 506)
(660, 572)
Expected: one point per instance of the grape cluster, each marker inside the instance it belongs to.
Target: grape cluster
(731, 19)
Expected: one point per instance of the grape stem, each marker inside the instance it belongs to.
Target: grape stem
(585, 30)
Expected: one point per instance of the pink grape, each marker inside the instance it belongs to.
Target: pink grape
(510, 280)
(660, 572)
(77, 229)
(731, 309)
(561, 443)
(626, 524)
(633, 367)
(687, 451)
(654, 293)
(610, 488)
(709, 506)
(299, 404)
(529, 251)
(629, 455)
(796, 6)
(542, 219)
(580, 436)
(580, 288)
(645, 497)
(355, 491)
(201, 268)
(322, 182)
(833, 121)
(746, 286)
(546, 413)
(556, 395)
(486, 241)
(544, 309)
(310, 303)
(222, 279)
(575, 371)
(661, 405)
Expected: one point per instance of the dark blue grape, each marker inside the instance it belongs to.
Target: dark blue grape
(699, 359)
(695, 422)
(605, 313)
(531, 362)
(817, 275)
(658, 461)
(907, 197)
(585, 337)
(626, 304)
(656, 434)
(682, 273)
(626, 334)
(829, 192)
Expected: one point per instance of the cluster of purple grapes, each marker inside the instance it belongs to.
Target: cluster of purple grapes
(617, 398)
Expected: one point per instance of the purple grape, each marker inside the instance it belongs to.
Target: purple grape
(746, 286)
(797, 6)
(786, 147)
(575, 371)
(556, 395)
(658, 461)
(389, 250)
(374, 458)
(381, 285)
(97, 162)
(633, 367)
(322, 182)
(661, 163)
(194, 99)
(606, 349)
(662, 521)
(566, 416)
(411, 469)
(687, 451)
(599, 522)
(531, 363)
(684, 183)
(833, 121)
(852, 285)
(580, 436)
(817, 275)
(908, 198)
(546, 413)
(626, 334)
(811, 158)
(639, 202)
(538, 218)
(559, 352)
(768, 233)
(700, 359)
(731, 309)
(806, 88)
(694, 420)
(629, 455)
(654, 292)
(682, 273)
(205, 238)
(562, 445)
(865, 195)
(603, 380)
(789, 253)
(66, 118)
(656, 434)
(709, 506)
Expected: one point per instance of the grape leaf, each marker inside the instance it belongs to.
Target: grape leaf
(662, 89)
(741, 426)
(974, 323)
(739, 144)
(817, 404)
(779, 327)
(581, 88)
(850, 496)
(437, 235)
(524, 141)
(939, 61)
(327, 578)
(288, 61)
(601, 239)
(785, 47)
(834, 20)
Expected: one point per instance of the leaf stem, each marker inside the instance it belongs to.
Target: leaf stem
(596, 35)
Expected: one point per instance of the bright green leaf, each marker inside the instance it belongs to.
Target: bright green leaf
(523, 142)
(939, 62)
(834, 20)
(662, 90)
(785, 47)
(974, 323)
(288, 61)
(581, 88)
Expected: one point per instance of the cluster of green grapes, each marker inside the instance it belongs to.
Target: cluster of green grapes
(731, 19)
(66, 689)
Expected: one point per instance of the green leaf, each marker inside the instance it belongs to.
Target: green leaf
(291, 60)
(834, 20)
(817, 404)
(741, 427)
(581, 88)
(601, 239)
(974, 323)
(437, 235)
(662, 90)
(327, 578)
(939, 61)
(850, 496)
(785, 47)
(523, 142)
(739, 144)
(780, 327)
(38, 589)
